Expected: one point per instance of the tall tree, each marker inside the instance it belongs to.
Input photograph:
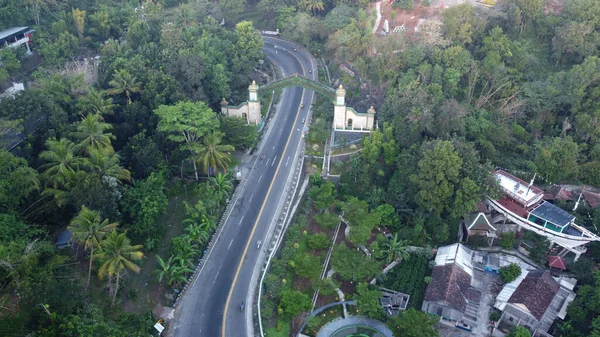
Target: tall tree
(106, 162)
(187, 123)
(118, 255)
(413, 323)
(124, 83)
(313, 6)
(212, 154)
(97, 104)
(17, 181)
(62, 161)
(248, 47)
(91, 133)
(89, 229)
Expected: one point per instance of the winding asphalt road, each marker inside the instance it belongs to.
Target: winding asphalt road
(211, 306)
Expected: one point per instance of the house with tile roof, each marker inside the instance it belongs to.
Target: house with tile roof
(534, 300)
(477, 224)
(450, 295)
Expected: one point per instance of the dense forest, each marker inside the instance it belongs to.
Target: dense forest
(118, 82)
(119, 110)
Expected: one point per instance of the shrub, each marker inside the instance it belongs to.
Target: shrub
(317, 241)
(510, 273)
(507, 241)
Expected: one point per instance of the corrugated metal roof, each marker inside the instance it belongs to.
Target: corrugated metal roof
(8, 32)
(455, 253)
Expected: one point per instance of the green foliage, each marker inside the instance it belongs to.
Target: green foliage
(439, 183)
(367, 300)
(294, 302)
(238, 133)
(519, 331)
(17, 181)
(406, 5)
(408, 276)
(306, 265)
(327, 219)
(361, 221)
(413, 323)
(142, 205)
(507, 241)
(143, 156)
(510, 273)
(322, 196)
(318, 241)
(353, 265)
(557, 158)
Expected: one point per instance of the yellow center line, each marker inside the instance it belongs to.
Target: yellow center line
(237, 272)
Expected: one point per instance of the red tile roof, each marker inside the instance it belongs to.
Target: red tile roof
(536, 292)
(558, 192)
(591, 198)
(557, 262)
(449, 283)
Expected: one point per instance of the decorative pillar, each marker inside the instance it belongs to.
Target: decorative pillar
(224, 107)
(339, 110)
(254, 115)
(371, 118)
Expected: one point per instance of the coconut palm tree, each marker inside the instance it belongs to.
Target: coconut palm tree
(98, 104)
(212, 154)
(106, 162)
(61, 161)
(91, 132)
(395, 249)
(124, 83)
(313, 6)
(89, 229)
(185, 17)
(118, 255)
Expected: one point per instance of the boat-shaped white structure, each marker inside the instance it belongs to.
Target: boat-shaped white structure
(521, 204)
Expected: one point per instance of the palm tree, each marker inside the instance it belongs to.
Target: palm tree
(313, 6)
(222, 185)
(124, 83)
(118, 255)
(185, 16)
(106, 162)
(89, 229)
(98, 104)
(62, 161)
(91, 133)
(165, 269)
(212, 154)
(395, 249)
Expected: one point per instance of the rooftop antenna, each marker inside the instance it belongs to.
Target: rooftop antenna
(531, 183)
(578, 200)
